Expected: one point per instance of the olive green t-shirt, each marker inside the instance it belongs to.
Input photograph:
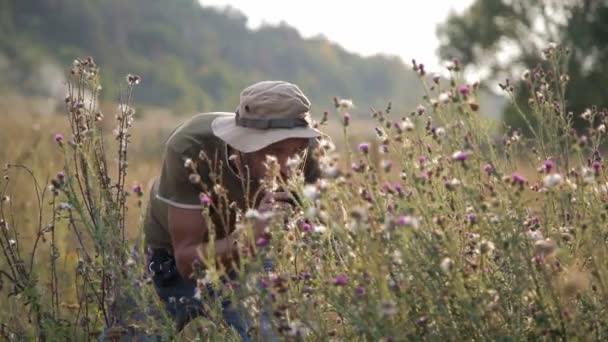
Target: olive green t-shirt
(194, 141)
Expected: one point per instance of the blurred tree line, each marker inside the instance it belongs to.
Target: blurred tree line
(191, 58)
(485, 31)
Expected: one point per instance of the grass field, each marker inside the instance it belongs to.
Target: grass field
(436, 227)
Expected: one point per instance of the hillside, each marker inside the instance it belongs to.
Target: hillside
(191, 58)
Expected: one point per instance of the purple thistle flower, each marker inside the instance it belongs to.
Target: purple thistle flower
(360, 291)
(518, 179)
(59, 138)
(60, 175)
(422, 160)
(261, 242)
(306, 227)
(398, 187)
(596, 165)
(464, 90)
(364, 147)
(205, 199)
(460, 156)
(548, 165)
(347, 118)
(137, 189)
(341, 280)
(488, 168)
(407, 221)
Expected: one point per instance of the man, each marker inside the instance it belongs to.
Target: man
(216, 161)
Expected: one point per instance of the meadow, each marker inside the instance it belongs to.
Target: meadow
(430, 223)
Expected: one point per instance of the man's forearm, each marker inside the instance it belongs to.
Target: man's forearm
(225, 251)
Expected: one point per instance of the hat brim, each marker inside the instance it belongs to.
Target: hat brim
(249, 140)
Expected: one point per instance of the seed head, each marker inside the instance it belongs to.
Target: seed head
(552, 180)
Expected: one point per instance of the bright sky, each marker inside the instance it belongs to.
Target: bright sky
(397, 27)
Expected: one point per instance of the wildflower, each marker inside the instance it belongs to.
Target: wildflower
(420, 109)
(344, 104)
(205, 199)
(488, 168)
(552, 180)
(136, 188)
(473, 105)
(330, 171)
(518, 179)
(133, 79)
(452, 183)
(407, 124)
(306, 227)
(444, 97)
(486, 247)
(464, 90)
(548, 165)
(346, 119)
(596, 165)
(588, 175)
(293, 162)
(586, 115)
(364, 147)
(534, 235)
(408, 221)
(471, 218)
(261, 242)
(194, 178)
(311, 192)
(188, 163)
(545, 247)
(59, 138)
(320, 228)
(460, 156)
(341, 280)
(446, 265)
(436, 78)
(262, 216)
(440, 133)
(360, 291)
(327, 145)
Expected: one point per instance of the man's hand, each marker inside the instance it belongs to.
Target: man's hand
(275, 202)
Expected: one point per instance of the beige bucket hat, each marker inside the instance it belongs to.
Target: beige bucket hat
(268, 112)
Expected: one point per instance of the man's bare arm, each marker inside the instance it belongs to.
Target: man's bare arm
(188, 229)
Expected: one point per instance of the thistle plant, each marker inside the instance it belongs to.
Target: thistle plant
(444, 226)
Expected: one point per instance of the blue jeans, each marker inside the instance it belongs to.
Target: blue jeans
(177, 294)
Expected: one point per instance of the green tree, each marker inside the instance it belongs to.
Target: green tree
(481, 35)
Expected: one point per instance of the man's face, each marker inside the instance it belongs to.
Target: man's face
(282, 150)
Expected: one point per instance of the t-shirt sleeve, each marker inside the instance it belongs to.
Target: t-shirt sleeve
(175, 187)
